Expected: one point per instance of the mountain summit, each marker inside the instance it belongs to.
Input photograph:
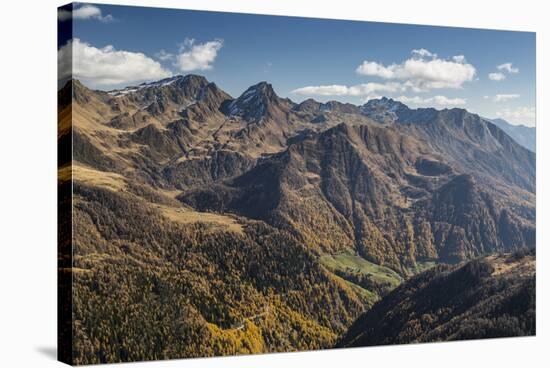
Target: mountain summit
(384, 110)
(255, 103)
(188, 84)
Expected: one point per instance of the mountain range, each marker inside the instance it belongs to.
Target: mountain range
(287, 220)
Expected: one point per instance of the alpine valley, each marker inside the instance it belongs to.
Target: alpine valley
(206, 225)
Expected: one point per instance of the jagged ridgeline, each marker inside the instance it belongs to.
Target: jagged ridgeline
(211, 225)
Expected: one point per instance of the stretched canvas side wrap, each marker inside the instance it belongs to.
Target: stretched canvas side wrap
(246, 184)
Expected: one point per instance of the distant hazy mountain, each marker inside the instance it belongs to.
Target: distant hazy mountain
(524, 135)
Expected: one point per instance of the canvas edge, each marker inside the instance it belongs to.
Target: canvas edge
(64, 190)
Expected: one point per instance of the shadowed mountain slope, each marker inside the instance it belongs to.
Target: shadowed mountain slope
(484, 298)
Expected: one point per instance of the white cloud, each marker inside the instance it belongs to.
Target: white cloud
(197, 56)
(430, 101)
(520, 115)
(267, 67)
(103, 67)
(364, 89)
(442, 100)
(375, 69)
(423, 53)
(423, 71)
(372, 97)
(505, 97)
(496, 76)
(508, 68)
(84, 12)
(164, 55)
(327, 90)
(459, 58)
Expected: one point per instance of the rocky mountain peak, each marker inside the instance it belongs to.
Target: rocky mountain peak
(309, 105)
(190, 81)
(188, 85)
(255, 102)
(261, 92)
(385, 102)
(384, 110)
(263, 88)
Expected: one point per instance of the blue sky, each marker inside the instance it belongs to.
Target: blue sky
(488, 72)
